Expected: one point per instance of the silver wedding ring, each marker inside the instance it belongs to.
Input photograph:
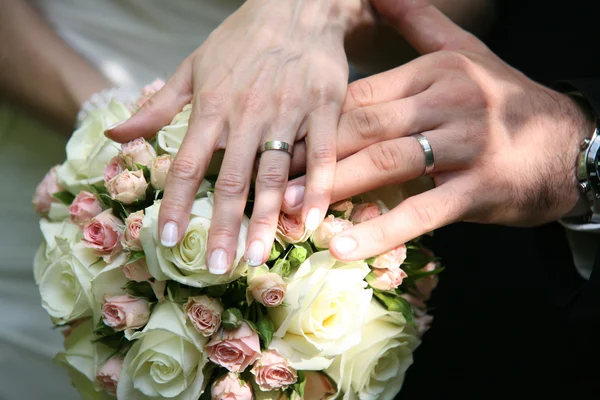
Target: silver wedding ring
(276, 145)
(428, 151)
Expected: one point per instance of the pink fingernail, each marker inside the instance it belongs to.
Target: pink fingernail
(217, 264)
(345, 245)
(255, 253)
(294, 195)
(313, 219)
(168, 237)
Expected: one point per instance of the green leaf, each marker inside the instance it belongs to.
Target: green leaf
(416, 258)
(141, 290)
(116, 341)
(134, 256)
(414, 276)
(64, 197)
(300, 384)
(265, 329)
(370, 260)
(104, 330)
(338, 214)
(231, 319)
(393, 302)
(216, 290)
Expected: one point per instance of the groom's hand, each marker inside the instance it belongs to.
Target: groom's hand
(505, 147)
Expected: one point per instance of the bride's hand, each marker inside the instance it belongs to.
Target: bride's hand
(505, 147)
(274, 70)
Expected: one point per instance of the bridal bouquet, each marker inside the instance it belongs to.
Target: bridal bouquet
(143, 321)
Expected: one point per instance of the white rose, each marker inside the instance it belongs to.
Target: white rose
(186, 262)
(66, 284)
(82, 357)
(88, 150)
(375, 368)
(58, 238)
(324, 311)
(166, 360)
(170, 137)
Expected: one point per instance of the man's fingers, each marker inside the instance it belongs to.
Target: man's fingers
(159, 110)
(426, 28)
(414, 217)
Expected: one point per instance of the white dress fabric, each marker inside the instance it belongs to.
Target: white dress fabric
(132, 42)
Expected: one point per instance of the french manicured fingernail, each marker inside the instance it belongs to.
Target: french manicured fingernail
(313, 219)
(113, 126)
(344, 245)
(255, 253)
(168, 237)
(217, 264)
(294, 195)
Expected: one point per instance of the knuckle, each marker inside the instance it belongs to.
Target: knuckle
(456, 61)
(289, 101)
(365, 123)
(231, 184)
(361, 92)
(384, 157)
(273, 177)
(378, 233)
(209, 103)
(264, 221)
(422, 214)
(322, 154)
(220, 233)
(324, 94)
(251, 99)
(185, 169)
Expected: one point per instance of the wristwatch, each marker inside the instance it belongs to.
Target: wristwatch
(588, 171)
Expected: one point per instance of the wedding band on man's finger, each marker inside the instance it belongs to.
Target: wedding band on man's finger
(427, 152)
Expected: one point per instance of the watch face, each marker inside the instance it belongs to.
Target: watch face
(593, 166)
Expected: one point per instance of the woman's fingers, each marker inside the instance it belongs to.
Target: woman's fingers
(414, 217)
(186, 173)
(159, 110)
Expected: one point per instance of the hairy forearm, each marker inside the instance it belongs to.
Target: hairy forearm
(39, 71)
(373, 46)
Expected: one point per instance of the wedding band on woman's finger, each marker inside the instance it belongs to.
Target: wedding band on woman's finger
(276, 145)
(427, 151)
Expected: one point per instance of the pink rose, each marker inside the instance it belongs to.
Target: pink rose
(272, 371)
(149, 91)
(138, 151)
(290, 228)
(159, 170)
(426, 284)
(423, 322)
(391, 259)
(235, 349)
(366, 211)
(44, 191)
(329, 227)
(85, 207)
(114, 167)
(128, 186)
(137, 270)
(133, 224)
(108, 375)
(318, 386)
(268, 289)
(204, 313)
(125, 312)
(344, 207)
(386, 279)
(230, 387)
(103, 234)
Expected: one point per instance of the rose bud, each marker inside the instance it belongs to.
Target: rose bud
(137, 270)
(290, 228)
(204, 313)
(318, 386)
(138, 151)
(234, 350)
(342, 209)
(364, 212)
(232, 319)
(44, 191)
(125, 312)
(230, 387)
(133, 224)
(159, 169)
(103, 234)
(268, 289)
(84, 207)
(386, 279)
(128, 186)
(391, 259)
(149, 91)
(329, 227)
(114, 167)
(108, 375)
(272, 371)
